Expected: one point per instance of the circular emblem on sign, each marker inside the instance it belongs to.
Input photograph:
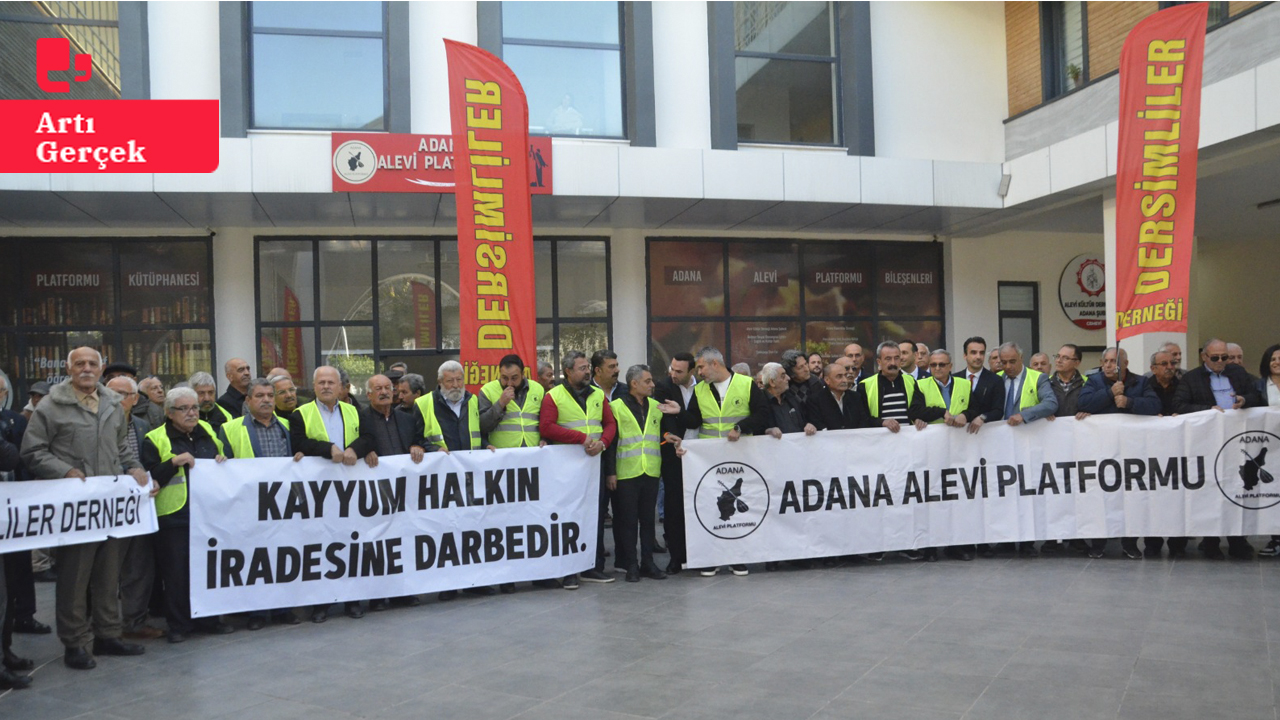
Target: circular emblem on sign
(1082, 291)
(1245, 472)
(354, 161)
(731, 500)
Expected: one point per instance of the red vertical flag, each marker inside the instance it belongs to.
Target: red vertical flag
(490, 119)
(1161, 68)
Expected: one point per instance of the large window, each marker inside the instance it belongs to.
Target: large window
(786, 72)
(568, 56)
(90, 27)
(756, 299)
(387, 300)
(1019, 313)
(319, 65)
(147, 302)
(1064, 47)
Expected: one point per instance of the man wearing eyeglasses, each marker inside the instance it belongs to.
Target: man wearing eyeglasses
(1217, 385)
(1163, 381)
(1066, 381)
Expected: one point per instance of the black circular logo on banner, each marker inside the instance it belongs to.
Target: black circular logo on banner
(731, 500)
(1245, 472)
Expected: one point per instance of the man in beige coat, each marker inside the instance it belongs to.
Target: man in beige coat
(80, 430)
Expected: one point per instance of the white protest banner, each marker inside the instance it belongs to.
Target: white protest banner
(861, 491)
(51, 513)
(270, 532)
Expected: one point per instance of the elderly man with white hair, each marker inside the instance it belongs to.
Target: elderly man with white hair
(446, 419)
(328, 428)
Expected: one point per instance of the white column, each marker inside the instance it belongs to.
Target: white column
(630, 340)
(1139, 347)
(182, 38)
(681, 75)
(429, 24)
(233, 307)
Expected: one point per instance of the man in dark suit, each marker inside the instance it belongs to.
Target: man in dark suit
(1217, 385)
(907, 351)
(833, 407)
(986, 404)
(677, 386)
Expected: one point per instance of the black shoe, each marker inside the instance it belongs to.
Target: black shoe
(379, 605)
(874, 557)
(739, 570)
(483, 591)
(447, 596)
(659, 548)
(30, 626)
(547, 584)
(217, 627)
(507, 588)
(674, 568)
(652, 572)
(1245, 554)
(11, 681)
(1151, 552)
(319, 616)
(1027, 549)
(771, 566)
(116, 646)
(912, 555)
(1212, 553)
(1131, 552)
(257, 622)
(177, 637)
(966, 555)
(987, 552)
(407, 601)
(595, 576)
(17, 664)
(79, 659)
(355, 612)
(1051, 547)
(633, 574)
(570, 582)
(931, 557)
(1177, 554)
(287, 619)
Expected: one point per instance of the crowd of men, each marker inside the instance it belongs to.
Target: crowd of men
(104, 421)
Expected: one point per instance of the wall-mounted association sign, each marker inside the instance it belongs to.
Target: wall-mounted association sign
(381, 162)
(1082, 290)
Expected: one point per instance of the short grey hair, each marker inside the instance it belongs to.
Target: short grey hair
(177, 394)
(710, 353)
(417, 383)
(1167, 347)
(544, 365)
(200, 379)
(634, 372)
(275, 379)
(4, 383)
(133, 386)
(83, 347)
(772, 370)
(571, 357)
(885, 346)
(448, 366)
(941, 351)
(741, 368)
(1158, 352)
(1011, 345)
(1121, 355)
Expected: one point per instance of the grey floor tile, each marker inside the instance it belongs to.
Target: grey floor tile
(1211, 649)
(1070, 668)
(1144, 706)
(31, 704)
(1033, 700)
(954, 658)
(941, 691)
(454, 702)
(1213, 683)
(743, 701)
(634, 694)
(696, 663)
(860, 710)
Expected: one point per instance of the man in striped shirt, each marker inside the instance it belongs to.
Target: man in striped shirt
(890, 396)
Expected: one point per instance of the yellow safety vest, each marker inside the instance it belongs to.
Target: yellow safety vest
(315, 424)
(735, 406)
(1030, 395)
(435, 436)
(871, 386)
(638, 451)
(237, 432)
(519, 425)
(960, 391)
(572, 417)
(173, 497)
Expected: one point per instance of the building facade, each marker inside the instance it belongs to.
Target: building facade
(756, 176)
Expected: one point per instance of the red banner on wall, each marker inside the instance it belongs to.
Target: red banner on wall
(1161, 68)
(291, 339)
(490, 121)
(390, 162)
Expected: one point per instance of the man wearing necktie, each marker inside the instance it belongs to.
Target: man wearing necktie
(1027, 397)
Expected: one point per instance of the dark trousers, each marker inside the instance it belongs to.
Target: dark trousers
(137, 575)
(1176, 544)
(605, 496)
(673, 510)
(22, 584)
(1237, 543)
(6, 609)
(88, 601)
(171, 548)
(634, 505)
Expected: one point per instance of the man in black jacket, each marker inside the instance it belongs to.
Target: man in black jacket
(1217, 385)
(833, 406)
(677, 386)
(238, 376)
(802, 381)
(986, 401)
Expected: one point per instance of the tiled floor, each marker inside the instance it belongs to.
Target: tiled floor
(1062, 637)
